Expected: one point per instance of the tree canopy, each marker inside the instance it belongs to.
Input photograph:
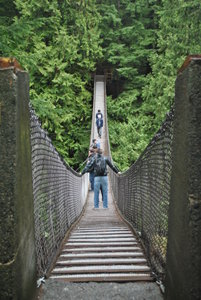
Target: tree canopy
(145, 44)
(62, 42)
(58, 43)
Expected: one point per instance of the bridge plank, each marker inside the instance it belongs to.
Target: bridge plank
(104, 277)
(100, 261)
(100, 269)
(100, 249)
(104, 254)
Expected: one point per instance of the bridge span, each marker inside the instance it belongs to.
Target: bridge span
(101, 247)
(42, 198)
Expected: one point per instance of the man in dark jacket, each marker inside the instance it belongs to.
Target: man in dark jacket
(99, 165)
(99, 114)
(99, 124)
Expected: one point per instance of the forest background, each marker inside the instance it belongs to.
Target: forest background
(63, 43)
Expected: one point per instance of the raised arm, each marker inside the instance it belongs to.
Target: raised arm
(111, 165)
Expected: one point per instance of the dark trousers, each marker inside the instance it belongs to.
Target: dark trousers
(91, 178)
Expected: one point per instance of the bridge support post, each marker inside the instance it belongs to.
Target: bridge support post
(17, 249)
(183, 279)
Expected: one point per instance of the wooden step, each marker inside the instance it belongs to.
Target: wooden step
(107, 248)
(100, 240)
(98, 244)
(106, 277)
(101, 235)
(102, 231)
(100, 261)
(100, 269)
(107, 227)
(104, 254)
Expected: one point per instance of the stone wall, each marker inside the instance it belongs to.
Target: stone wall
(17, 248)
(183, 277)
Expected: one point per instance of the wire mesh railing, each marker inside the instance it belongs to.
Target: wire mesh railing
(142, 195)
(59, 196)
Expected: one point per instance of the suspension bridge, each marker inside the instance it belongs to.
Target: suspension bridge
(151, 231)
(101, 247)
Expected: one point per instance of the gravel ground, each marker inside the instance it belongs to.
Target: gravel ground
(58, 290)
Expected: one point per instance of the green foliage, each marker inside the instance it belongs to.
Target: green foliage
(58, 43)
(149, 44)
(127, 44)
(128, 35)
(178, 37)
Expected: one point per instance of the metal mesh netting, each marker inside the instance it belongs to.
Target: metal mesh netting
(142, 195)
(59, 196)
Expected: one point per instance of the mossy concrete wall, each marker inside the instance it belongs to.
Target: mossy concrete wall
(17, 249)
(183, 280)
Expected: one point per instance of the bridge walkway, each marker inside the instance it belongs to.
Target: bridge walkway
(101, 247)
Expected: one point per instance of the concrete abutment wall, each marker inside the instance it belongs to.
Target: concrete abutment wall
(183, 277)
(17, 248)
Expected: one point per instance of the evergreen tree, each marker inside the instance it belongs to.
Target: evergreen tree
(58, 43)
(148, 43)
(178, 37)
(129, 35)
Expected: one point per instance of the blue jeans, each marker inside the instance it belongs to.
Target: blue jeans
(91, 178)
(103, 181)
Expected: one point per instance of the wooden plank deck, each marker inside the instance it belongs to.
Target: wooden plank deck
(101, 248)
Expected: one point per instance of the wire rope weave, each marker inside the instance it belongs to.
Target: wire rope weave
(59, 195)
(142, 195)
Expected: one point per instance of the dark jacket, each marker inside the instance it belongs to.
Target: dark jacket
(92, 166)
(91, 158)
(99, 115)
(99, 123)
